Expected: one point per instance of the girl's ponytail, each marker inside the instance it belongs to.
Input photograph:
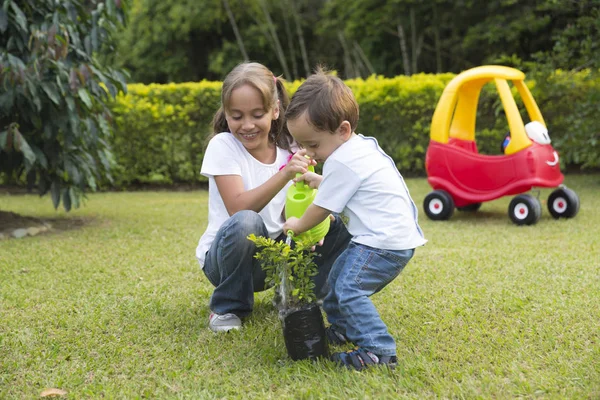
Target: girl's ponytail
(219, 123)
(281, 135)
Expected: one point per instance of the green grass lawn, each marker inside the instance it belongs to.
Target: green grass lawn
(117, 308)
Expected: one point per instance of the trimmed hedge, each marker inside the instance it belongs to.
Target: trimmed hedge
(161, 130)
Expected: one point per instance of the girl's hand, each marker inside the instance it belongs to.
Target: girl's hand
(298, 164)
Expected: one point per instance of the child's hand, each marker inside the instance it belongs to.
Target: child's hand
(312, 179)
(298, 164)
(291, 225)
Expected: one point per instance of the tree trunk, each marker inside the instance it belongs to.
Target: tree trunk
(300, 38)
(436, 38)
(405, 59)
(349, 69)
(236, 31)
(273, 32)
(285, 9)
(416, 42)
(413, 40)
(364, 59)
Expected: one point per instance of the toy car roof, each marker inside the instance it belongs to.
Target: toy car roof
(456, 110)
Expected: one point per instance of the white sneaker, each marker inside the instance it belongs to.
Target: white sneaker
(224, 323)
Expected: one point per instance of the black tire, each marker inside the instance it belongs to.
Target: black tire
(524, 209)
(563, 203)
(470, 208)
(438, 205)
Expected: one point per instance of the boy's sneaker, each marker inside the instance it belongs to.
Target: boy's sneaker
(360, 359)
(224, 323)
(334, 337)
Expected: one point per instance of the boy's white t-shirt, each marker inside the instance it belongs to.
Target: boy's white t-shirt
(225, 155)
(363, 183)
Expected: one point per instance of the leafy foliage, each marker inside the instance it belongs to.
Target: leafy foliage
(296, 265)
(576, 121)
(161, 129)
(169, 40)
(186, 40)
(54, 118)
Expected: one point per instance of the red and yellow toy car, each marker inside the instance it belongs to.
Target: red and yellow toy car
(462, 177)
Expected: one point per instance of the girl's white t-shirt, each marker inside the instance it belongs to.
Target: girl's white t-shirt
(225, 155)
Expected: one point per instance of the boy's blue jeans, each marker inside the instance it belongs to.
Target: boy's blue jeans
(358, 273)
(231, 267)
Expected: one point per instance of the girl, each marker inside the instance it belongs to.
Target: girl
(250, 163)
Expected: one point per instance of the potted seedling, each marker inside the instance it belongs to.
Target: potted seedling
(289, 269)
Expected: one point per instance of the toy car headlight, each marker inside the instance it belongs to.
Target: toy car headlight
(537, 132)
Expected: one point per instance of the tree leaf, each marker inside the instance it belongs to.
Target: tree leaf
(121, 79)
(6, 101)
(94, 36)
(3, 137)
(3, 21)
(51, 92)
(74, 197)
(55, 193)
(67, 200)
(19, 16)
(85, 97)
(22, 146)
(40, 156)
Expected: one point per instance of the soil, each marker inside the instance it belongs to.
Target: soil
(10, 221)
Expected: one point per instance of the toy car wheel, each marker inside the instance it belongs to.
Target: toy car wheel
(438, 205)
(563, 203)
(525, 209)
(470, 208)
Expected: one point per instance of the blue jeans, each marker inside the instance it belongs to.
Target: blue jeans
(357, 274)
(231, 267)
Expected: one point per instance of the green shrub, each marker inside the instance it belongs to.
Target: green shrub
(570, 104)
(161, 130)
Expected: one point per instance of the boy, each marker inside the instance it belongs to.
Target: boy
(361, 181)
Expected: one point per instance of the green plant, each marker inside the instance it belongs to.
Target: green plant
(54, 117)
(292, 266)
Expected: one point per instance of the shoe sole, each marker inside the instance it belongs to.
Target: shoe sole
(225, 329)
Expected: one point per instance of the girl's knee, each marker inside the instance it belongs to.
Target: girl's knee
(246, 222)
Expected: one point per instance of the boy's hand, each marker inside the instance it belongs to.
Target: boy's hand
(312, 179)
(291, 225)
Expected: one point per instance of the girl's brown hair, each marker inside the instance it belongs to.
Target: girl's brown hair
(270, 88)
(326, 100)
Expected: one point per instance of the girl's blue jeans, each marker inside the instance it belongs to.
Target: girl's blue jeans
(231, 267)
(358, 273)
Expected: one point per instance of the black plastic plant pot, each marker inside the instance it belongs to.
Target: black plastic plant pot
(304, 333)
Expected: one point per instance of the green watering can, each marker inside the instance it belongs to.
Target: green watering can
(298, 198)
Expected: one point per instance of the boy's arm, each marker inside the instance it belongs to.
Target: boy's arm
(311, 218)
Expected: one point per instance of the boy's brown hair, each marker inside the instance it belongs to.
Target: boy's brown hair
(326, 100)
